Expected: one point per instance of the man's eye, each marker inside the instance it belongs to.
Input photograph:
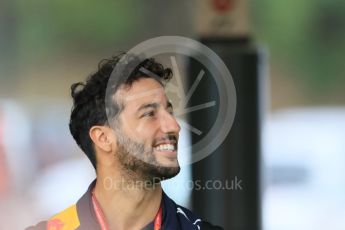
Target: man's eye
(148, 114)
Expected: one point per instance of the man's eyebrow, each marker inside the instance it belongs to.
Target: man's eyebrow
(153, 106)
(147, 106)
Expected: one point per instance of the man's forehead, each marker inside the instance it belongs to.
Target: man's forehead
(141, 91)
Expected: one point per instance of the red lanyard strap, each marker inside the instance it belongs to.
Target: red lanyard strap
(158, 219)
(99, 214)
(102, 221)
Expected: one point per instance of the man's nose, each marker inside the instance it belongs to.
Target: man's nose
(169, 123)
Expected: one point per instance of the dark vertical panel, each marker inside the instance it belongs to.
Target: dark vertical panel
(239, 155)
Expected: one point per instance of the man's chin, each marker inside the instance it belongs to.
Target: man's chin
(157, 167)
(160, 172)
(169, 166)
(154, 170)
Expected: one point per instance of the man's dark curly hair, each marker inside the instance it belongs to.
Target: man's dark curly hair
(89, 97)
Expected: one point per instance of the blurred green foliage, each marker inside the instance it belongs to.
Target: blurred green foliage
(44, 27)
(309, 35)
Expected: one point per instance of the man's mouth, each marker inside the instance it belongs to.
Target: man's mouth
(165, 147)
(167, 144)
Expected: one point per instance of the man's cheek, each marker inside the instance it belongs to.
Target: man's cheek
(140, 127)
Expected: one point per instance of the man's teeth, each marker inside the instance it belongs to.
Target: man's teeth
(165, 147)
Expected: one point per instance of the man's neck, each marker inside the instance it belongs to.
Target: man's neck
(127, 204)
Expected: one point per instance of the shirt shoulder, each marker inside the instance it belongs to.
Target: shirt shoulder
(66, 219)
(194, 219)
(185, 218)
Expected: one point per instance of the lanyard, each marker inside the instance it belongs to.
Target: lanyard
(104, 226)
(99, 213)
(158, 219)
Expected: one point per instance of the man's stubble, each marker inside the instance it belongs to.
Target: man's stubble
(139, 162)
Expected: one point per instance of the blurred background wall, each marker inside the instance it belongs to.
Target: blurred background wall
(45, 46)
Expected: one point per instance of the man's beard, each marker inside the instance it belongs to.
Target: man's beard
(139, 162)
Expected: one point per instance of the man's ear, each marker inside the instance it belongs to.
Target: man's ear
(102, 137)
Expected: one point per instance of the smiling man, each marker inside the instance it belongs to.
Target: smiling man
(132, 145)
